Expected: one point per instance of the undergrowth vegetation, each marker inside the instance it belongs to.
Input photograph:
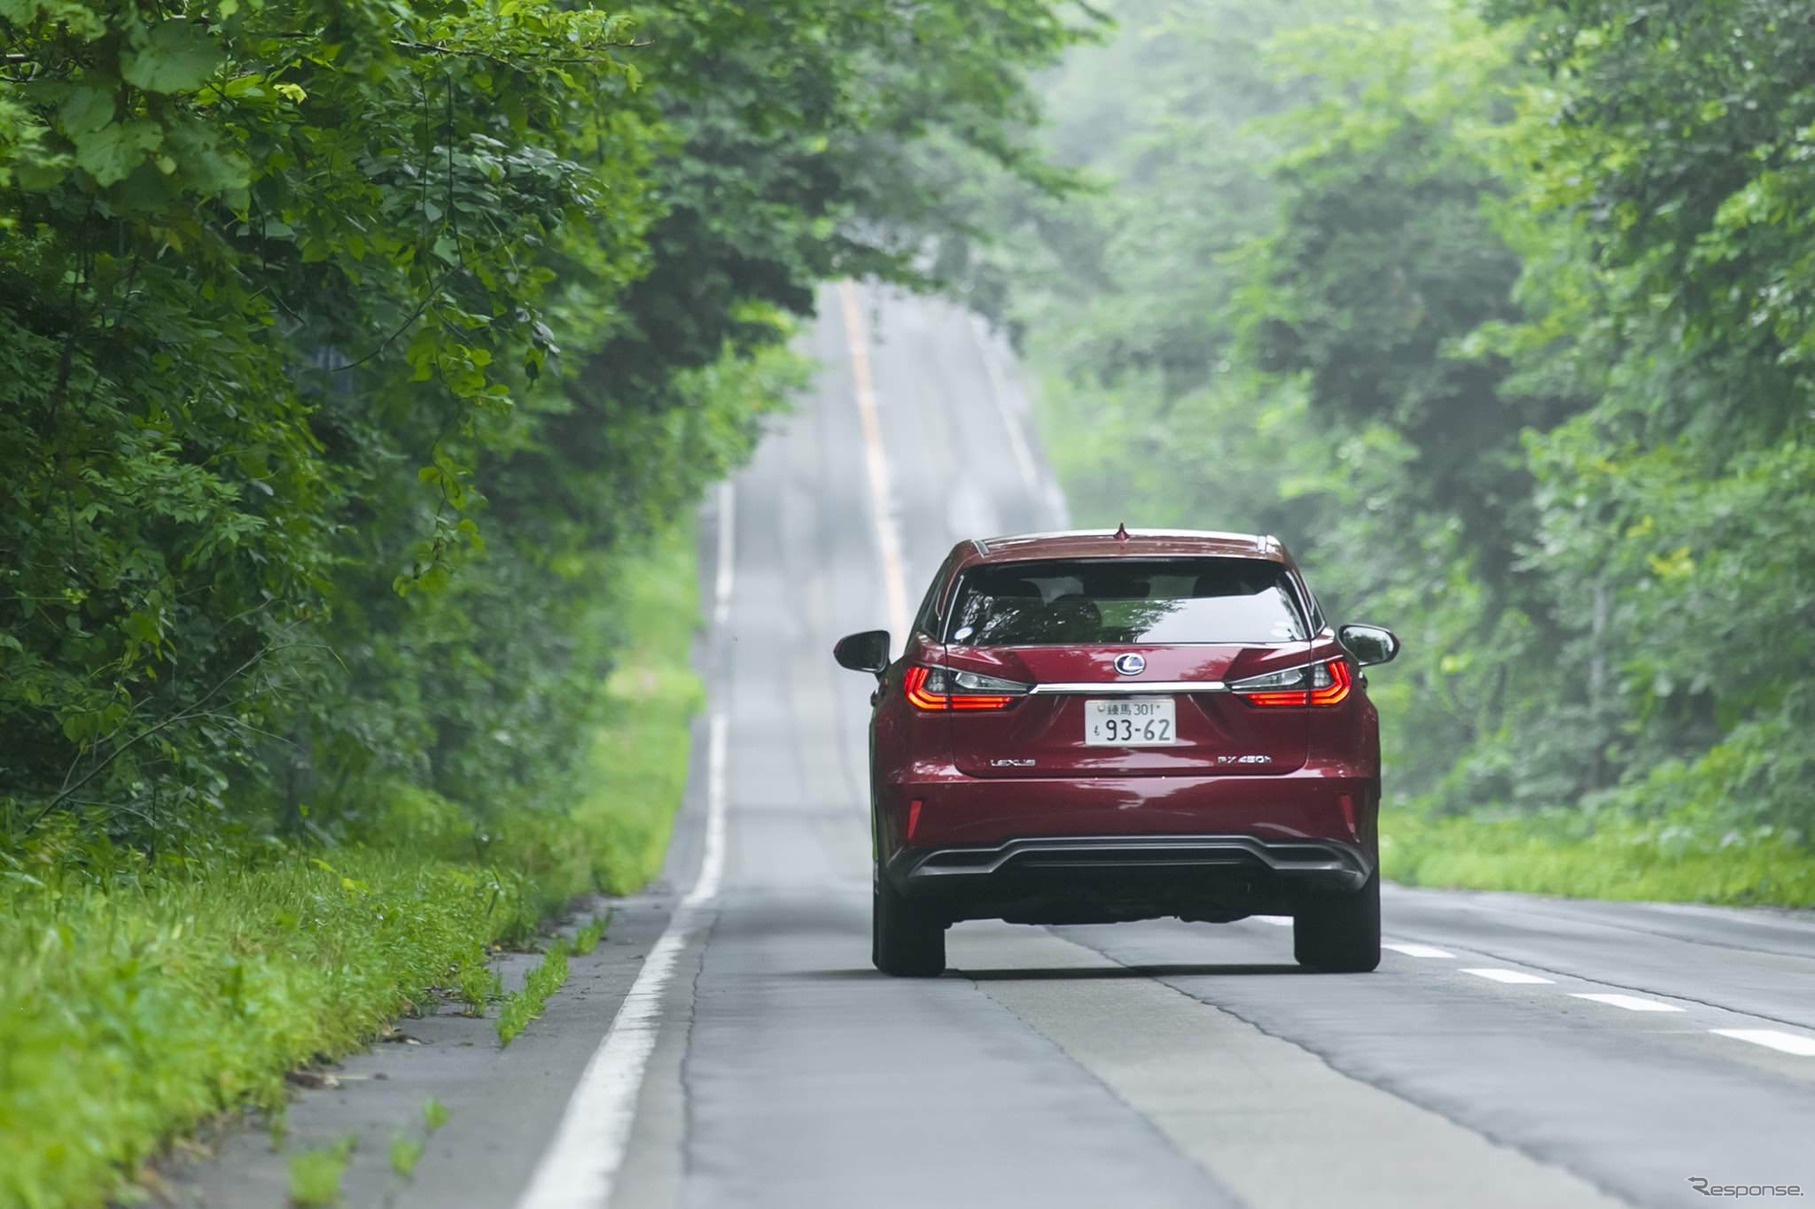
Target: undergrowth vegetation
(1673, 858)
(142, 1000)
(144, 995)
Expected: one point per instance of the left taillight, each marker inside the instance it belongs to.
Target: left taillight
(941, 688)
(1325, 683)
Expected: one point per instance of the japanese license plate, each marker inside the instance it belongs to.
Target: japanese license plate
(1130, 722)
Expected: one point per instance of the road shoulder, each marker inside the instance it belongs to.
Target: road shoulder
(501, 1102)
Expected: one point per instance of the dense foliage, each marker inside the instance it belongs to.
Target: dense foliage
(1501, 317)
(345, 343)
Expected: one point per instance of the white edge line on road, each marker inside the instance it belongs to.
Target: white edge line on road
(888, 538)
(1412, 950)
(998, 390)
(1631, 1003)
(1788, 1043)
(727, 554)
(712, 864)
(1517, 977)
(1278, 921)
(581, 1164)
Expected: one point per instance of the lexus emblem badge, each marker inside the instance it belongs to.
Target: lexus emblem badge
(1130, 664)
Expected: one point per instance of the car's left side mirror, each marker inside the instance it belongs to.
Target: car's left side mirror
(865, 652)
(1369, 644)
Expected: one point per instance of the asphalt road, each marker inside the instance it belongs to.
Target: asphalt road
(735, 1049)
(1159, 1064)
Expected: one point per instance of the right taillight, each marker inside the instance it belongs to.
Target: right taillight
(1314, 684)
(941, 688)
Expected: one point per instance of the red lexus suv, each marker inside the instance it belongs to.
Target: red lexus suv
(1088, 727)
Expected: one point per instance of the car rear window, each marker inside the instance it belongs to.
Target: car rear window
(1118, 601)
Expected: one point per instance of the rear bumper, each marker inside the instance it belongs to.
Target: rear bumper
(1101, 849)
(1336, 802)
(1102, 879)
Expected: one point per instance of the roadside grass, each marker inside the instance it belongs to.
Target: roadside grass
(405, 1150)
(140, 999)
(434, 1114)
(587, 938)
(524, 1005)
(477, 985)
(404, 1153)
(1675, 858)
(638, 764)
(144, 1005)
(315, 1174)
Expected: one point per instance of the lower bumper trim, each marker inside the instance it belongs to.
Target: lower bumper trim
(1085, 878)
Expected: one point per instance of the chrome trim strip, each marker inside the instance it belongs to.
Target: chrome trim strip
(1301, 857)
(1216, 534)
(1131, 688)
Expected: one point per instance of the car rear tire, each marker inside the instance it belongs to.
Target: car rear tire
(1340, 934)
(906, 941)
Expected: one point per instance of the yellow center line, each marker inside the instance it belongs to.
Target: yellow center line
(888, 538)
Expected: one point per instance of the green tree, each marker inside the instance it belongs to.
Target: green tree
(1501, 321)
(344, 345)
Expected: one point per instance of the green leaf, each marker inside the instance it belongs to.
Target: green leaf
(111, 153)
(179, 56)
(85, 111)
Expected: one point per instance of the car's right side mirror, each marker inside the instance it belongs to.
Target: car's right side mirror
(865, 652)
(1369, 644)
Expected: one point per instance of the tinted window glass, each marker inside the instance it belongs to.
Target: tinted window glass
(1238, 600)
